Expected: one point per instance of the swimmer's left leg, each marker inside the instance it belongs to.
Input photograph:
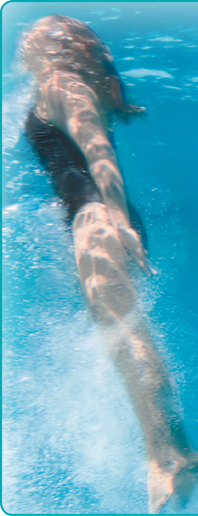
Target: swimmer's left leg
(113, 303)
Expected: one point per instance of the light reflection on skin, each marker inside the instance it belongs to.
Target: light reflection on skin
(77, 90)
(77, 106)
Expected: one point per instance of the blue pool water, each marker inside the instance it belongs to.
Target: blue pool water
(72, 442)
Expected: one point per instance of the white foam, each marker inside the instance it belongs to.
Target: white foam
(15, 109)
(172, 87)
(194, 79)
(110, 18)
(165, 39)
(145, 72)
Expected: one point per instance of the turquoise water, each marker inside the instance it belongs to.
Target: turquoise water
(72, 441)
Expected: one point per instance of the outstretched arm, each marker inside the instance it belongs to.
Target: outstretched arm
(73, 107)
(113, 303)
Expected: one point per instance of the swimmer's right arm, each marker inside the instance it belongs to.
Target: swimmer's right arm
(65, 101)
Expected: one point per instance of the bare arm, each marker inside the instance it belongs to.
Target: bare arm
(73, 107)
(113, 303)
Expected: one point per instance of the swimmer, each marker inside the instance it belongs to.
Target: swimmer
(77, 91)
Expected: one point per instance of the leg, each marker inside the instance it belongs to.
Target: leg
(113, 303)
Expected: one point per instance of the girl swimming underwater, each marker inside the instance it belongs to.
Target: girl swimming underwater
(77, 91)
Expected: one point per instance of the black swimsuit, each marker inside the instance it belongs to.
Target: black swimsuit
(65, 161)
(61, 156)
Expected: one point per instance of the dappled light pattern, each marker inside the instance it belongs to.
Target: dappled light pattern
(78, 89)
(60, 43)
(104, 278)
(113, 303)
